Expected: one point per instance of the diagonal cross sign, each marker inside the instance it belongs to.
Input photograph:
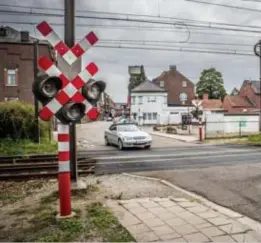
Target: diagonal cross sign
(70, 89)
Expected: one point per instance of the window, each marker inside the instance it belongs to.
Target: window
(165, 100)
(144, 116)
(149, 116)
(11, 98)
(161, 84)
(154, 116)
(184, 83)
(11, 77)
(113, 128)
(152, 99)
(133, 100)
(134, 115)
(140, 100)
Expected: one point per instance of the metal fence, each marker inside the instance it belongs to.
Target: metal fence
(214, 129)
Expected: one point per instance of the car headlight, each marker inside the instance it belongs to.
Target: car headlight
(126, 138)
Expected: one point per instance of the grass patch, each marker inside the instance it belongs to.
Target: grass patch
(107, 225)
(75, 194)
(10, 198)
(25, 147)
(255, 139)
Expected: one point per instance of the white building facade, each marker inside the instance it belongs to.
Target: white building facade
(147, 103)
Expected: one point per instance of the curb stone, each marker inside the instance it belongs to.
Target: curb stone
(251, 223)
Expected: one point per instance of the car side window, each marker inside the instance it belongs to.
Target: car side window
(113, 128)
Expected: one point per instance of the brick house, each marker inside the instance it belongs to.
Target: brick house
(17, 64)
(248, 99)
(176, 84)
(211, 105)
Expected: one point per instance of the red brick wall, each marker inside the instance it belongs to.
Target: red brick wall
(173, 83)
(247, 91)
(20, 56)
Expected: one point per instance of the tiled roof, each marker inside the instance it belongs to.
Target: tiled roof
(238, 101)
(256, 86)
(211, 104)
(148, 86)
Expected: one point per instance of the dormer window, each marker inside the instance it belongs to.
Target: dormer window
(184, 83)
(161, 84)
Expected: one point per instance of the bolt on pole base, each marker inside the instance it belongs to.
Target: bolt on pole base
(59, 217)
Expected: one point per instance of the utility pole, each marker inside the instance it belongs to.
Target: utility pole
(258, 53)
(260, 85)
(36, 104)
(69, 38)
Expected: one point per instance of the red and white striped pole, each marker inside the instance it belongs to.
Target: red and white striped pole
(64, 170)
(200, 130)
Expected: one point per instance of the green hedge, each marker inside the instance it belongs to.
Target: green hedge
(17, 121)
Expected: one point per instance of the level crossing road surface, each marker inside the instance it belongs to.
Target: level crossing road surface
(178, 158)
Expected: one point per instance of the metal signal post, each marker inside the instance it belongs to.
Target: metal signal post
(69, 38)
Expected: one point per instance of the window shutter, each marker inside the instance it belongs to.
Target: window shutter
(16, 76)
(5, 77)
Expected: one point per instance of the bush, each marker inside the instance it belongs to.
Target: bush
(171, 130)
(17, 121)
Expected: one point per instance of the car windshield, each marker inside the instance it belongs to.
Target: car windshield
(128, 128)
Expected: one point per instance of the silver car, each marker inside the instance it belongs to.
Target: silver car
(127, 135)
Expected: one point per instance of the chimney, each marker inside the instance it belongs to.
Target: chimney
(205, 96)
(172, 67)
(25, 36)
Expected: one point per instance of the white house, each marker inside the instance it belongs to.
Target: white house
(147, 102)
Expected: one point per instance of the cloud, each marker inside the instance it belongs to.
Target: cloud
(113, 63)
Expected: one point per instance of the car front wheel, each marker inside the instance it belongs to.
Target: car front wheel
(120, 145)
(147, 146)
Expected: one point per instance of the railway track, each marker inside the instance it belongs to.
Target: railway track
(38, 166)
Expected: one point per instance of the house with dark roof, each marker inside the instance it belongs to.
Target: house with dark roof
(147, 102)
(17, 63)
(181, 90)
(247, 101)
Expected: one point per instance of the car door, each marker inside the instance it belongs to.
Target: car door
(111, 134)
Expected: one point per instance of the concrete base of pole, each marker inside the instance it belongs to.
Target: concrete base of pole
(59, 217)
(80, 184)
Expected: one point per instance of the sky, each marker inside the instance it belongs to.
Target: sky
(113, 62)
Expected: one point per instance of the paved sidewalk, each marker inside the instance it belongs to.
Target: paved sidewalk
(184, 138)
(179, 220)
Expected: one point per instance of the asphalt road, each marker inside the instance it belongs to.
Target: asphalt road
(178, 158)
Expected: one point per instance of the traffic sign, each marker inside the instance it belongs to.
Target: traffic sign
(66, 93)
(70, 55)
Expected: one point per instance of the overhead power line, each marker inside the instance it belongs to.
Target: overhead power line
(128, 19)
(134, 15)
(180, 49)
(132, 27)
(170, 42)
(225, 5)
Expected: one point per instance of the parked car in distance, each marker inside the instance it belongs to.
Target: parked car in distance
(127, 135)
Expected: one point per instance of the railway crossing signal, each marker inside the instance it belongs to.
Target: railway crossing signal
(59, 95)
(68, 100)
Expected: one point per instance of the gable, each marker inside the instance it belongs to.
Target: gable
(148, 86)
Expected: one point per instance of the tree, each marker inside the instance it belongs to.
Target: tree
(234, 92)
(211, 82)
